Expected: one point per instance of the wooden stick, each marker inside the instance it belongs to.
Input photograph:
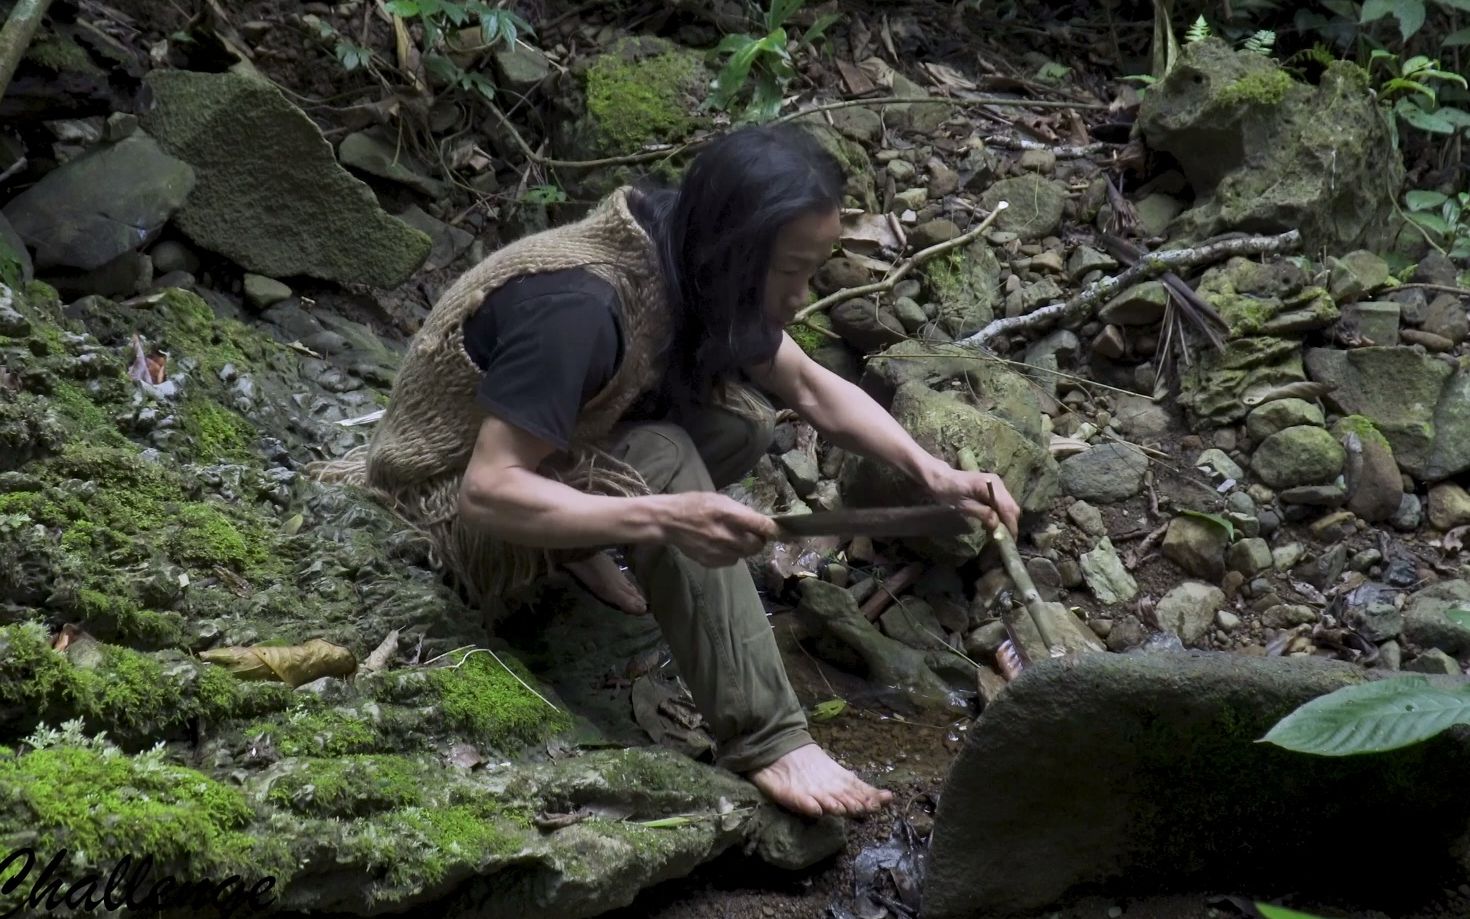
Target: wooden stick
(19, 29)
(904, 267)
(1151, 265)
(888, 591)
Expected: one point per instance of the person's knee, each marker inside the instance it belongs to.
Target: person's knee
(743, 443)
(667, 457)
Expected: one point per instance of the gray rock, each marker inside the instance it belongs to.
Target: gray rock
(1140, 416)
(1449, 506)
(966, 287)
(860, 124)
(1088, 518)
(1356, 274)
(1219, 461)
(377, 153)
(1240, 502)
(1085, 259)
(170, 256)
(919, 119)
(902, 170)
(1435, 268)
(1300, 455)
(1433, 661)
(262, 292)
(269, 193)
(986, 639)
(1042, 161)
(1105, 574)
(1155, 211)
(1375, 486)
(866, 325)
(1450, 454)
(1409, 515)
(1377, 321)
(1249, 556)
(910, 314)
(1227, 620)
(1197, 546)
(1286, 615)
(106, 203)
(520, 68)
(1177, 735)
(1315, 495)
(1105, 474)
(1142, 304)
(1034, 205)
(1404, 412)
(1317, 159)
(1280, 414)
(912, 621)
(1446, 317)
(1372, 612)
(1390, 655)
(802, 471)
(1188, 610)
(933, 232)
(1433, 619)
(448, 242)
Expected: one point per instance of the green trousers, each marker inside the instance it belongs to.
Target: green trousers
(712, 618)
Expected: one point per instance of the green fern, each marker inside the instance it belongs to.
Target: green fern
(1261, 42)
(1198, 32)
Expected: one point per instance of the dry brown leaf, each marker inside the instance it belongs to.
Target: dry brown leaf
(946, 76)
(857, 82)
(293, 665)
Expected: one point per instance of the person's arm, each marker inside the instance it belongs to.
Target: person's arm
(848, 417)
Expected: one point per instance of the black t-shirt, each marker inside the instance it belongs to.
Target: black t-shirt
(547, 343)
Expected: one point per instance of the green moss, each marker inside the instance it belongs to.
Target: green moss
(641, 101)
(352, 786)
(808, 338)
(62, 55)
(481, 698)
(125, 691)
(112, 617)
(1261, 87)
(207, 537)
(219, 434)
(86, 417)
(317, 733)
(1363, 427)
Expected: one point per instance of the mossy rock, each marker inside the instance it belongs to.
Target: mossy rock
(1266, 152)
(1213, 387)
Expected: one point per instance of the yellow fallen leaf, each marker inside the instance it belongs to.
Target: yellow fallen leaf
(293, 665)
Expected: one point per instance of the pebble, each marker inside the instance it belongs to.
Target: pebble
(901, 170)
(1270, 522)
(1390, 655)
(1088, 518)
(1114, 912)
(1365, 560)
(1434, 661)
(1409, 515)
(1042, 161)
(1227, 620)
(1285, 557)
(1430, 341)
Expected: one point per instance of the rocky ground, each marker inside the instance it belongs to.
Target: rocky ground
(208, 280)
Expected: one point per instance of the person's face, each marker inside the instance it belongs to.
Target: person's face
(801, 247)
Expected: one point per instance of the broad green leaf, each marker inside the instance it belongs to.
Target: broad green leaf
(456, 13)
(1411, 15)
(1456, 39)
(442, 68)
(781, 10)
(1398, 83)
(1423, 200)
(1281, 912)
(1431, 222)
(1376, 9)
(1442, 75)
(1415, 64)
(404, 8)
(1458, 616)
(766, 102)
(733, 43)
(665, 823)
(490, 29)
(1371, 717)
(1424, 121)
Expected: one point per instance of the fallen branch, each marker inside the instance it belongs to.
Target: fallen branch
(16, 37)
(903, 268)
(1150, 265)
(1062, 152)
(1437, 288)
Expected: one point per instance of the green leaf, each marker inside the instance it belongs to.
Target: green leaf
(1424, 200)
(819, 27)
(766, 103)
(733, 43)
(480, 84)
(1424, 121)
(1281, 912)
(1445, 75)
(1398, 83)
(1456, 39)
(1371, 717)
(1455, 4)
(442, 68)
(456, 13)
(665, 823)
(1415, 64)
(1411, 15)
(781, 10)
(1431, 222)
(826, 711)
(404, 8)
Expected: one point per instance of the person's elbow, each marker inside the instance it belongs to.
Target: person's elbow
(480, 498)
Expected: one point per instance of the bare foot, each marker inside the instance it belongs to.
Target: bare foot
(601, 575)
(810, 782)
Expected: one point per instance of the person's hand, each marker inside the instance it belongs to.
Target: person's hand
(972, 493)
(715, 530)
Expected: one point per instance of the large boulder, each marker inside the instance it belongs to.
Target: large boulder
(1450, 454)
(270, 194)
(944, 423)
(1397, 388)
(966, 286)
(1140, 773)
(1439, 617)
(1267, 152)
(103, 204)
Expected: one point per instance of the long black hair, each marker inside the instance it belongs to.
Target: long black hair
(715, 234)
